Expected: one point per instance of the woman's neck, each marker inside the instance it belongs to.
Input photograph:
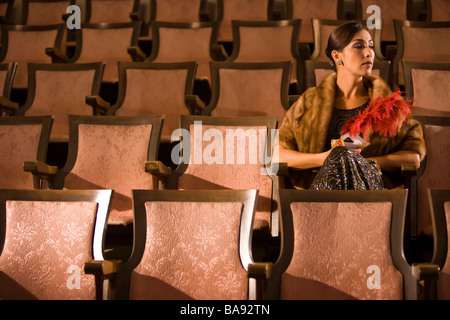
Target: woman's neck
(350, 92)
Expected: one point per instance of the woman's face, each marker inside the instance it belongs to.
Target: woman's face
(357, 57)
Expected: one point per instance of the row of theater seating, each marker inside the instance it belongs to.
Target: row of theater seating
(252, 41)
(125, 153)
(197, 245)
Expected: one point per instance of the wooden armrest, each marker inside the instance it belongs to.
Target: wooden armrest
(218, 52)
(39, 168)
(136, 54)
(391, 52)
(57, 55)
(8, 106)
(425, 271)
(135, 16)
(99, 106)
(102, 267)
(426, 275)
(409, 170)
(259, 270)
(303, 51)
(204, 15)
(157, 168)
(44, 173)
(194, 103)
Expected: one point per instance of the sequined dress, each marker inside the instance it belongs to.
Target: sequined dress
(344, 168)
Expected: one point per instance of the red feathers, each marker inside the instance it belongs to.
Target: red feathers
(383, 115)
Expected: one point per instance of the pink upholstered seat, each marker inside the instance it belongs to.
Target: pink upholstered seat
(109, 152)
(229, 153)
(107, 42)
(25, 44)
(420, 42)
(22, 139)
(435, 170)
(428, 84)
(184, 41)
(189, 245)
(438, 10)
(306, 10)
(439, 199)
(249, 10)
(342, 245)
(249, 89)
(48, 236)
(111, 11)
(73, 82)
(267, 41)
(39, 12)
(155, 88)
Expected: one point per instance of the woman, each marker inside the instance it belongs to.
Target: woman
(320, 113)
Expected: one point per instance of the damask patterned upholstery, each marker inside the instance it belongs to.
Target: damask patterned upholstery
(22, 139)
(249, 89)
(74, 83)
(435, 169)
(47, 239)
(342, 245)
(190, 245)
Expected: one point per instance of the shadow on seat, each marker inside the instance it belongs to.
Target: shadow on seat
(190, 245)
(342, 245)
(22, 139)
(73, 82)
(45, 238)
(107, 153)
(428, 84)
(249, 89)
(439, 200)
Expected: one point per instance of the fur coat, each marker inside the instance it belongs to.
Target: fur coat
(305, 126)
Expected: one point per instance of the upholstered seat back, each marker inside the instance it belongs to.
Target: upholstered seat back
(341, 251)
(18, 143)
(73, 87)
(229, 157)
(436, 173)
(47, 244)
(143, 96)
(250, 92)
(112, 157)
(191, 252)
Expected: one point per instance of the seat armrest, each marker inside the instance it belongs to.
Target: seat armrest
(135, 16)
(409, 170)
(102, 267)
(218, 52)
(99, 106)
(136, 54)
(194, 104)
(43, 171)
(303, 51)
(157, 168)
(57, 55)
(8, 106)
(426, 275)
(260, 272)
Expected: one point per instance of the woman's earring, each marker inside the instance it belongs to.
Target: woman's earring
(340, 62)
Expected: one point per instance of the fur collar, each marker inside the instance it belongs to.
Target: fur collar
(317, 105)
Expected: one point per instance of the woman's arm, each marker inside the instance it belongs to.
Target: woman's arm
(299, 160)
(393, 161)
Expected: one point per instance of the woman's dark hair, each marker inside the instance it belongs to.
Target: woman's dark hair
(341, 37)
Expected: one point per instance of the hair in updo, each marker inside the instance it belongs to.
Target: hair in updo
(341, 37)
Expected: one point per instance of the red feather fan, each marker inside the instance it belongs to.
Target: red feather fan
(383, 115)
